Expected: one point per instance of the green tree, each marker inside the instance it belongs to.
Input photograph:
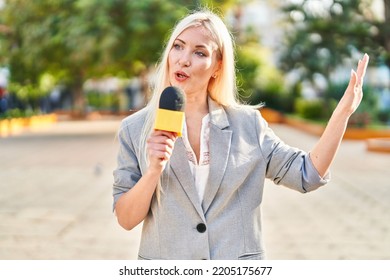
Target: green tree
(259, 80)
(321, 38)
(323, 35)
(381, 38)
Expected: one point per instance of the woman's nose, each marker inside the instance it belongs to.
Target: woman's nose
(184, 60)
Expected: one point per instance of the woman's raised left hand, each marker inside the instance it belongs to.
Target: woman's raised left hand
(354, 93)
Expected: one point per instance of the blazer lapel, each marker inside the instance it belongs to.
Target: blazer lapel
(219, 147)
(180, 167)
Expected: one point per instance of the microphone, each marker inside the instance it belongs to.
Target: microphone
(170, 115)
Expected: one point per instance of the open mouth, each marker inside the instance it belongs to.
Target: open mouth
(181, 75)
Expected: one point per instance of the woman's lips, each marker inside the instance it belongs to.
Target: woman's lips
(181, 76)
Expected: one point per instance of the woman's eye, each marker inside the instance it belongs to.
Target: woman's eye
(176, 46)
(200, 54)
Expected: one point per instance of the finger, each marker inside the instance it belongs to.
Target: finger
(353, 79)
(171, 135)
(160, 144)
(160, 151)
(163, 140)
(362, 67)
(161, 155)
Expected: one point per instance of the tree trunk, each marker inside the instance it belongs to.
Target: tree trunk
(79, 103)
(387, 31)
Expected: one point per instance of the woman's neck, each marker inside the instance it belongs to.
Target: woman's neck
(196, 106)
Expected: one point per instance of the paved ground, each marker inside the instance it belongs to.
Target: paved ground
(347, 219)
(55, 200)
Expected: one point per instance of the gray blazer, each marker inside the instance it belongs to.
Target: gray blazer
(227, 223)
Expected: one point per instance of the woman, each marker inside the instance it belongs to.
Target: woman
(199, 195)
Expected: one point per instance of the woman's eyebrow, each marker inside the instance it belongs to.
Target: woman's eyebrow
(177, 39)
(197, 46)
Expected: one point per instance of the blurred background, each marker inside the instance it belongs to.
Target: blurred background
(71, 70)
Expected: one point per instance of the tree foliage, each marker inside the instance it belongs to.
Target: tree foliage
(322, 35)
(325, 35)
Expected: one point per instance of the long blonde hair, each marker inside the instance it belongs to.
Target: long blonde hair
(221, 89)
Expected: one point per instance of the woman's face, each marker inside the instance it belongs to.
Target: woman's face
(193, 60)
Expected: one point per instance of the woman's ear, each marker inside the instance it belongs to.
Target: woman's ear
(218, 68)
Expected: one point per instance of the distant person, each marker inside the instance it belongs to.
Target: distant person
(55, 98)
(3, 101)
(199, 195)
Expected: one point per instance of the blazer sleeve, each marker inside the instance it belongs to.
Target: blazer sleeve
(287, 166)
(128, 172)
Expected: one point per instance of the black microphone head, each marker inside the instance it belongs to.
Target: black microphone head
(172, 98)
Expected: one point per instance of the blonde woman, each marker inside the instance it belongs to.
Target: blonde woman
(199, 195)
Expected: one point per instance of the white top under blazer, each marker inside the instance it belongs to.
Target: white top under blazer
(200, 170)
